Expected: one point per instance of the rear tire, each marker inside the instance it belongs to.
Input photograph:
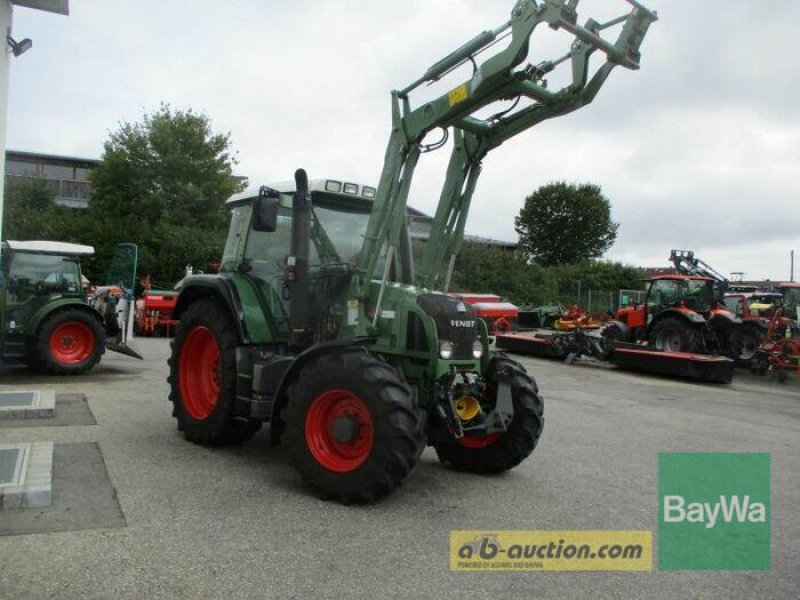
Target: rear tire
(383, 433)
(68, 342)
(203, 377)
(675, 335)
(496, 453)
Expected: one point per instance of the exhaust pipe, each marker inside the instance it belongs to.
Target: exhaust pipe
(297, 266)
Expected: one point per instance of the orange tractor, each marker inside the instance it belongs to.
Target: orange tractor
(682, 312)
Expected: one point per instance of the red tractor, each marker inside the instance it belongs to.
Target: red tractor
(755, 310)
(681, 313)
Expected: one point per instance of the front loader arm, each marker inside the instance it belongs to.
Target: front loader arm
(497, 79)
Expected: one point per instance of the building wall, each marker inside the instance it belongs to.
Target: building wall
(5, 27)
(67, 177)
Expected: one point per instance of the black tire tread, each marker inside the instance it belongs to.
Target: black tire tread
(691, 336)
(221, 427)
(523, 433)
(39, 357)
(399, 436)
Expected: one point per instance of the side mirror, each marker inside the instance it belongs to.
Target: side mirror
(265, 210)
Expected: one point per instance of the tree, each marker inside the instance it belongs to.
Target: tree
(162, 184)
(29, 212)
(564, 223)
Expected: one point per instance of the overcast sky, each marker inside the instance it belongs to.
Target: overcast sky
(699, 149)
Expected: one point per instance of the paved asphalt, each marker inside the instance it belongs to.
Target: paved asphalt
(239, 523)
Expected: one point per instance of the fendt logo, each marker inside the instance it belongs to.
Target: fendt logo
(459, 323)
(714, 511)
(729, 508)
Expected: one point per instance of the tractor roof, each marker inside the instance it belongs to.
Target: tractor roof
(347, 188)
(44, 247)
(681, 278)
(753, 294)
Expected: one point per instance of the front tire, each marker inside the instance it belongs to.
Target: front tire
(750, 339)
(500, 452)
(203, 377)
(352, 429)
(69, 342)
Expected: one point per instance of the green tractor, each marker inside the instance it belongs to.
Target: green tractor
(321, 323)
(47, 321)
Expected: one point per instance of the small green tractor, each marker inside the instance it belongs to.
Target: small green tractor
(321, 323)
(47, 320)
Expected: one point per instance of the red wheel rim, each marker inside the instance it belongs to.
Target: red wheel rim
(485, 441)
(72, 343)
(199, 373)
(329, 452)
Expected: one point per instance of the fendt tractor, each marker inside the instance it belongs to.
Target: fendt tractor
(318, 322)
(46, 319)
(683, 312)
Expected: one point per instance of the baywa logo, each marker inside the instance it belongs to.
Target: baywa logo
(714, 511)
(729, 509)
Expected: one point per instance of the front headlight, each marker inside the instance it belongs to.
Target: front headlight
(477, 349)
(446, 349)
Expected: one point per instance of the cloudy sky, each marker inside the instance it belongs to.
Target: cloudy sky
(699, 149)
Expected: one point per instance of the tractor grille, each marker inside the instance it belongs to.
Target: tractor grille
(455, 321)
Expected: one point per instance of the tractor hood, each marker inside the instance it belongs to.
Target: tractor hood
(455, 322)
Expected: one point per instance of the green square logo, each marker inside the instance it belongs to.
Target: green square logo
(714, 511)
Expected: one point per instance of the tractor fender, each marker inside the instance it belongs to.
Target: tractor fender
(198, 287)
(726, 317)
(54, 306)
(621, 327)
(276, 423)
(681, 313)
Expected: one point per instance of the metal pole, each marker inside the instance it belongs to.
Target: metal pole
(791, 272)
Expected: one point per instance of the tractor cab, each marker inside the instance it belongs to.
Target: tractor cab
(683, 293)
(33, 275)
(698, 294)
(791, 299)
(339, 214)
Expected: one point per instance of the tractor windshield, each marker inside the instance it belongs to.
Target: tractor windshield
(699, 294)
(35, 278)
(343, 233)
(791, 300)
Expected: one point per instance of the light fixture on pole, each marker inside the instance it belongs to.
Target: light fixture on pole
(19, 47)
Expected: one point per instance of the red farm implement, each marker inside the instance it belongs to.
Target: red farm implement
(154, 313)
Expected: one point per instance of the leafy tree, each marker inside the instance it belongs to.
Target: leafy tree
(564, 223)
(482, 268)
(29, 212)
(162, 184)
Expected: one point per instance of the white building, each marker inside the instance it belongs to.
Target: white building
(14, 47)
